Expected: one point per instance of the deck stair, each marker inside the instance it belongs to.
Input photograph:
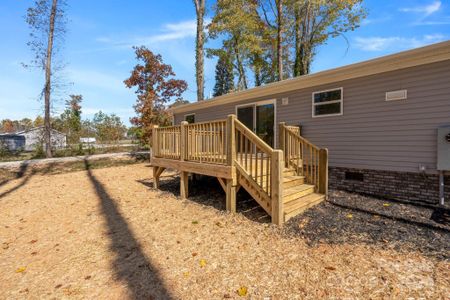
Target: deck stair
(297, 196)
(285, 181)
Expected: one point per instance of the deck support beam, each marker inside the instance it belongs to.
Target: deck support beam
(184, 184)
(157, 171)
(230, 196)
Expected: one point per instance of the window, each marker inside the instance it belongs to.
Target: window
(327, 103)
(190, 118)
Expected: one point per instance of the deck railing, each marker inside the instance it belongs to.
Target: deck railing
(259, 167)
(306, 158)
(166, 142)
(206, 142)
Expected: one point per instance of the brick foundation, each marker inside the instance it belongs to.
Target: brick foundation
(390, 184)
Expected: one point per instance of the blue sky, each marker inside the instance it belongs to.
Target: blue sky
(101, 33)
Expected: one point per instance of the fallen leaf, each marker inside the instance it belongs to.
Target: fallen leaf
(242, 291)
(194, 222)
(386, 204)
(194, 254)
(21, 269)
(202, 263)
(349, 216)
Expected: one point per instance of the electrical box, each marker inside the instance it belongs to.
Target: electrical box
(443, 145)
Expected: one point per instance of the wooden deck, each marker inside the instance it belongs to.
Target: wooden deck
(283, 181)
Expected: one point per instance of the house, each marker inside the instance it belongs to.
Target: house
(12, 142)
(35, 136)
(379, 120)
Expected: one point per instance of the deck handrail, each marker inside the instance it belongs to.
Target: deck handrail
(306, 158)
(255, 164)
(261, 168)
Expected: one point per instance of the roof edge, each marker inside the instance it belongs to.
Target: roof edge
(401, 60)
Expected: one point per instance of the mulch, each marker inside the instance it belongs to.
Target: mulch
(353, 218)
(346, 218)
(106, 233)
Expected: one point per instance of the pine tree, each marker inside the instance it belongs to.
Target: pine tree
(224, 76)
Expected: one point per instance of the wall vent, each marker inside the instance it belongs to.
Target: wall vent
(355, 176)
(396, 95)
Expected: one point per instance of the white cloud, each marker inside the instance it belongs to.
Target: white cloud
(176, 31)
(425, 10)
(168, 32)
(370, 21)
(395, 43)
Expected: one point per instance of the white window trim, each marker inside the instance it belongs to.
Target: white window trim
(192, 114)
(328, 102)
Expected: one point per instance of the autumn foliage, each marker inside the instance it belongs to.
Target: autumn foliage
(155, 88)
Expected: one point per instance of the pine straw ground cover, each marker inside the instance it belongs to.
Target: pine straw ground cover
(105, 233)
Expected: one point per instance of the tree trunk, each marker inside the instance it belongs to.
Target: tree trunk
(297, 37)
(199, 57)
(280, 39)
(48, 87)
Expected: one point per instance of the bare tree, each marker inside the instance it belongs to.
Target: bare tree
(280, 38)
(47, 23)
(199, 55)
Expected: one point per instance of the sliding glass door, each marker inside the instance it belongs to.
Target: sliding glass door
(260, 118)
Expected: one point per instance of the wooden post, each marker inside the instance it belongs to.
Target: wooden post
(154, 140)
(277, 166)
(184, 184)
(231, 157)
(231, 140)
(155, 151)
(231, 196)
(282, 139)
(281, 135)
(155, 177)
(183, 141)
(184, 176)
(323, 172)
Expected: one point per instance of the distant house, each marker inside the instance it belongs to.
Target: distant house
(88, 140)
(12, 142)
(34, 136)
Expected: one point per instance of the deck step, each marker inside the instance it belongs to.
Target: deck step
(295, 192)
(288, 181)
(292, 180)
(288, 172)
(299, 205)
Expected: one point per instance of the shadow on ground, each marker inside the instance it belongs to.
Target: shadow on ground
(130, 264)
(24, 173)
(207, 191)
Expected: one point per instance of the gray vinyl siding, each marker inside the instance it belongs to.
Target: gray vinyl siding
(372, 133)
